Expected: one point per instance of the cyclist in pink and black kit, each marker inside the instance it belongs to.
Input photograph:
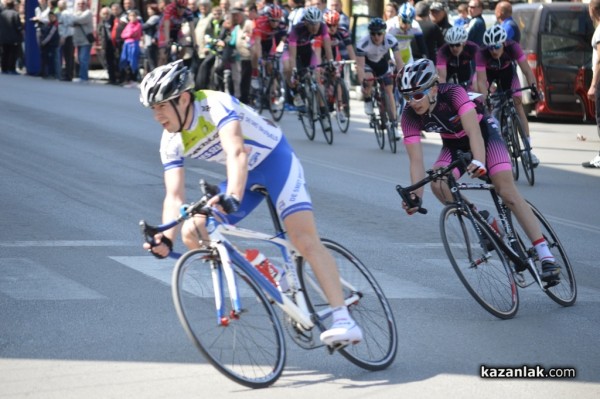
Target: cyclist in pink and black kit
(464, 125)
(495, 64)
(455, 61)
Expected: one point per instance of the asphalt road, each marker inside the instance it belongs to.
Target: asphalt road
(84, 312)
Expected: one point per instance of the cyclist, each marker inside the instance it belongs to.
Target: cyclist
(305, 43)
(455, 60)
(269, 31)
(208, 125)
(495, 65)
(373, 59)
(169, 28)
(407, 31)
(445, 108)
(341, 41)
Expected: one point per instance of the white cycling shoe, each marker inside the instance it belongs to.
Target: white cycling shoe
(342, 333)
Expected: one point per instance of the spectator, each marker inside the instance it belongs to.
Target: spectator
(109, 51)
(594, 91)
(192, 5)
(130, 55)
(211, 34)
(150, 30)
(40, 18)
(390, 12)
(431, 33)
(65, 30)
(242, 73)
(10, 37)
(336, 5)
(439, 16)
(504, 16)
(476, 26)
(225, 6)
(50, 42)
(463, 15)
(83, 26)
(118, 24)
(204, 8)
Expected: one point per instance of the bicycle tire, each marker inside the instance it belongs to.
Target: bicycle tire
(324, 117)
(524, 149)
(376, 120)
(479, 262)
(250, 348)
(306, 115)
(342, 104)
(509, 139)
(276, 96)
(372, 311)
(256, 101)
(565, 293)
(389, 128)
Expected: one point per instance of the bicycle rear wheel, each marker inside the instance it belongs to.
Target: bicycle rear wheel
(524, 149)
(479, 262)
(276, 96)
(371, 310)
(342, 104)
(508, 134)
(565, 292)
(305, 114)
(247, 347)
(324, 117)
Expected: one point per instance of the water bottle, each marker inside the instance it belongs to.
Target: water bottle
(492, 221)
(274, 274)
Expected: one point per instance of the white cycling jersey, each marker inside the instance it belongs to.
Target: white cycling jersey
(374, 53)
(212, 110)
(404, 37)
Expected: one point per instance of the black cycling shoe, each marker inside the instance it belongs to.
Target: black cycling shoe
(550, 271)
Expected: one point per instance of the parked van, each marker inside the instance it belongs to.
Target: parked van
(556, 38)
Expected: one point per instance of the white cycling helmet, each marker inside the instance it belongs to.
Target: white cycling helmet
(456, 35)
(165, 83)
(418, 75)
(313, 15)
(494, 35)
(406, 12)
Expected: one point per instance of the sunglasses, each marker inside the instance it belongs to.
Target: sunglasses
(376, 33)
(416, 96)
(495, 46)
(407, 21)
(274, 20)
(332, 26)
(455, 45)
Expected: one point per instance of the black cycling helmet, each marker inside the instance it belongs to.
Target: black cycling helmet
(377, 25)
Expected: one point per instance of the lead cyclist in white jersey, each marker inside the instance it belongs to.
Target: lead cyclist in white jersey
(217, 127)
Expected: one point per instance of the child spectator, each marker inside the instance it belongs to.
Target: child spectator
(50, 42)
(463, 16)
(132, 34)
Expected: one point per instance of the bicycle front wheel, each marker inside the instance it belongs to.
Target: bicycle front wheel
(370, 309)
(246, 346)
(509, 134)
(276, 96)
(376, 122)
(524, 149)
(342, 104)
(324, 117)
(389, 128)
(479, 262)
(305, 114)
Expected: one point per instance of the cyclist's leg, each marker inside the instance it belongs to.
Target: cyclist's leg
(440, 187)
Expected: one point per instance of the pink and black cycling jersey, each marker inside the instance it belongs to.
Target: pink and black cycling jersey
(304, 41)
(445, 119)
(501, 70)
(460, 67)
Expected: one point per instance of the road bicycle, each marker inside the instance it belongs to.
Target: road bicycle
(380, 120)
(513, 132)
(271, 91)
(492, 262)
(226, 305)
(314, 102)
(338, 97)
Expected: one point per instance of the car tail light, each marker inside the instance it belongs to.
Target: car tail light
(532, 60)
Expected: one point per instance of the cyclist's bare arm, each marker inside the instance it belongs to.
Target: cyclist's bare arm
(328, 51)
(360, 69)
(351, 53)
(232, 143)
(417, 165)
(526, 69)
(482, 85)
(255, 53)
(442, 73)
(398, 60)
(471, 126)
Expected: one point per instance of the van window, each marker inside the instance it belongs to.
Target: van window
(564, 50)
(576, 22)
(524, 19)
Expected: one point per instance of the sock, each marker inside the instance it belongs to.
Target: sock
(541, 247)
(340, 314)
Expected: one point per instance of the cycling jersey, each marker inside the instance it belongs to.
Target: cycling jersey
(340, 40)
(269, 37)
(271, 161)
(460, 67)
(295, 17)
(501, 70)
(305, 42)
(404, 37)
(453, 102)
(377, 58)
